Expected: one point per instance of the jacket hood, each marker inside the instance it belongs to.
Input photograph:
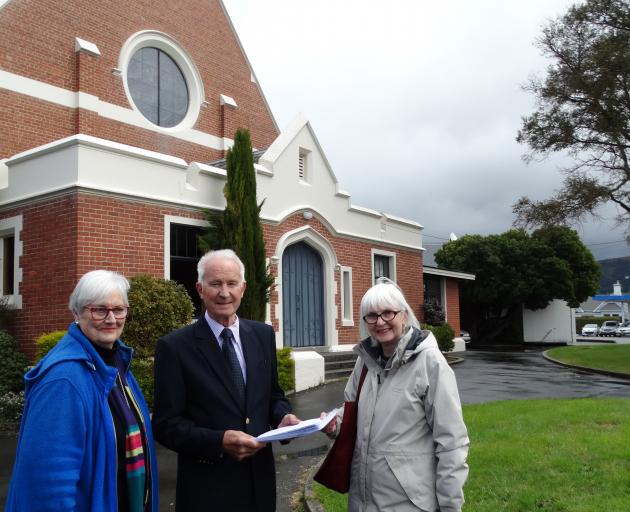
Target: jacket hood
(410, 345)
(75, 346)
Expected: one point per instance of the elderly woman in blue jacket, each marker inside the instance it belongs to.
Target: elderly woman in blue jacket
(85, 441)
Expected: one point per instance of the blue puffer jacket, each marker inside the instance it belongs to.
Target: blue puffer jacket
(66, 454)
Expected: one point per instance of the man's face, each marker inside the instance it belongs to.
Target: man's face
(222, 290)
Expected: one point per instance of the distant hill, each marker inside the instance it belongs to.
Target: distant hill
(613, 270)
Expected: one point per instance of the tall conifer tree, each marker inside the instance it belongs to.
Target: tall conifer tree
(239, 227)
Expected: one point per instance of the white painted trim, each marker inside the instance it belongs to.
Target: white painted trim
(12, 226)
(346, 321)
(448, 273)
(227, 100)
(443, 298)
(71, 99)
(3, 3)
(174, 219)
(392, 262)
(322, 246)
(81, 45)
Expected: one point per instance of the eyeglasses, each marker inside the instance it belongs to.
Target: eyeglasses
(101, 312)
(387, 316)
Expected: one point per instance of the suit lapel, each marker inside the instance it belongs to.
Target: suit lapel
(208, 345)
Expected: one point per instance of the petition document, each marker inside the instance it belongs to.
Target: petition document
(303, 428)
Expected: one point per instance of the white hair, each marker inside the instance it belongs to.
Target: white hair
(223, 254)
(96, 286)
(386, 294)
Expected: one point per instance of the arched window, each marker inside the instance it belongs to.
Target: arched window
(158, 87)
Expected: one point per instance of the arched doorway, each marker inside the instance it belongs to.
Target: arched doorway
(302, 296)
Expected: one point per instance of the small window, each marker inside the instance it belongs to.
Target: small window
(184, 255)
(8, 265)
(383, 264)
(157, 87)
(302, 167)
(11, 252)
(346, 296)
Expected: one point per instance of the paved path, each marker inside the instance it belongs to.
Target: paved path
(483, 376)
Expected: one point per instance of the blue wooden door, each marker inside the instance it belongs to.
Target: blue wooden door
(302, 296)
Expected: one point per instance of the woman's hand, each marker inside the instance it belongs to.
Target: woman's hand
(332, 424)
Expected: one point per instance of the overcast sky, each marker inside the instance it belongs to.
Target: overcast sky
(416, 103)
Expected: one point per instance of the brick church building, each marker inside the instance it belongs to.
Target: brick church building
(114, 119)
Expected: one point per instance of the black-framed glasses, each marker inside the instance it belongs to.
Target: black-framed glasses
(101, 312)
(387, 316)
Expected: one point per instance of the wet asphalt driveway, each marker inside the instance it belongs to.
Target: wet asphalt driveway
(482, 376)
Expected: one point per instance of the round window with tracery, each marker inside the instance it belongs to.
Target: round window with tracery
(158, 87)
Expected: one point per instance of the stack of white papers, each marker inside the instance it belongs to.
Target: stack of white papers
(303, 428)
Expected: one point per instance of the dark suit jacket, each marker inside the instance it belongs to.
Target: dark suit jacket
(195, 403)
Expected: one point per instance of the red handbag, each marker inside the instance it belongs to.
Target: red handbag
(334, 472)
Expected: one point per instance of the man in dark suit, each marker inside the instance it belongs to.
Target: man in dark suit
(216, 388)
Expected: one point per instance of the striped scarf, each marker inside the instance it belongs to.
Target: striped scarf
(122, 400)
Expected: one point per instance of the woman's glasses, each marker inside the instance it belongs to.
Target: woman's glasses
(101, 312)
(387, 316)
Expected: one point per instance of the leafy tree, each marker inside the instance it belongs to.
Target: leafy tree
(239, 227)
(515, 269)
(583, 109)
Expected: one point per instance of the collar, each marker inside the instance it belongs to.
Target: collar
(217, 328)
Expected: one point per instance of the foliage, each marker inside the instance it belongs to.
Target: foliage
(613, 270)
(142, 370)
(583, 109)
(240, 229)
(13, 363)
(515, 270)
(576, 445)
(612, 358)
(156, 307)
(46, 342)
(444, 335)
(7, 314)
(11, 407)
(598, 320)
(286, 369)
(433, 312)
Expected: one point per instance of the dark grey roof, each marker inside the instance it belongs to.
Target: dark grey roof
(221, 163)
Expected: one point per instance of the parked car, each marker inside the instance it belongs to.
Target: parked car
(590, 330)
(624, 329)
(609, 328)
(465, 335)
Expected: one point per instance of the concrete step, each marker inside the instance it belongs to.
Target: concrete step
(341, 373)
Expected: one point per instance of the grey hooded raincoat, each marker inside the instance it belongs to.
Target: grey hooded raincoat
(412, 443)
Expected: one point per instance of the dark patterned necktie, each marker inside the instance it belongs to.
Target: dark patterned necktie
(232, 361)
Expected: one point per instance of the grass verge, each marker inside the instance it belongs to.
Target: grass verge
(542, 455)
(613, 358)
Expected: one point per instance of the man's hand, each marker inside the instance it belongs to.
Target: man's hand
(289, 419)
(240, 445)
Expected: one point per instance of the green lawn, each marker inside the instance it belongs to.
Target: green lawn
(544, 456)
(615, 358)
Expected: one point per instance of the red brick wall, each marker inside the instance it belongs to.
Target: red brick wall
(452, 304)
(38, 42)
(357, 255)
(67, 236)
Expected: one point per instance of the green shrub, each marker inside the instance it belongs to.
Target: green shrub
(142, 370)
(597, 320)
(46, 342)
(286, 369)
(11, 407)
(156, 307)
(13, 363)
(444, 335)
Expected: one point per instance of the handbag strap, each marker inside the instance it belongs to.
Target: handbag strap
(361, 379)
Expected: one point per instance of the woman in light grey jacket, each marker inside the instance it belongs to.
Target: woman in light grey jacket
(412, 444)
